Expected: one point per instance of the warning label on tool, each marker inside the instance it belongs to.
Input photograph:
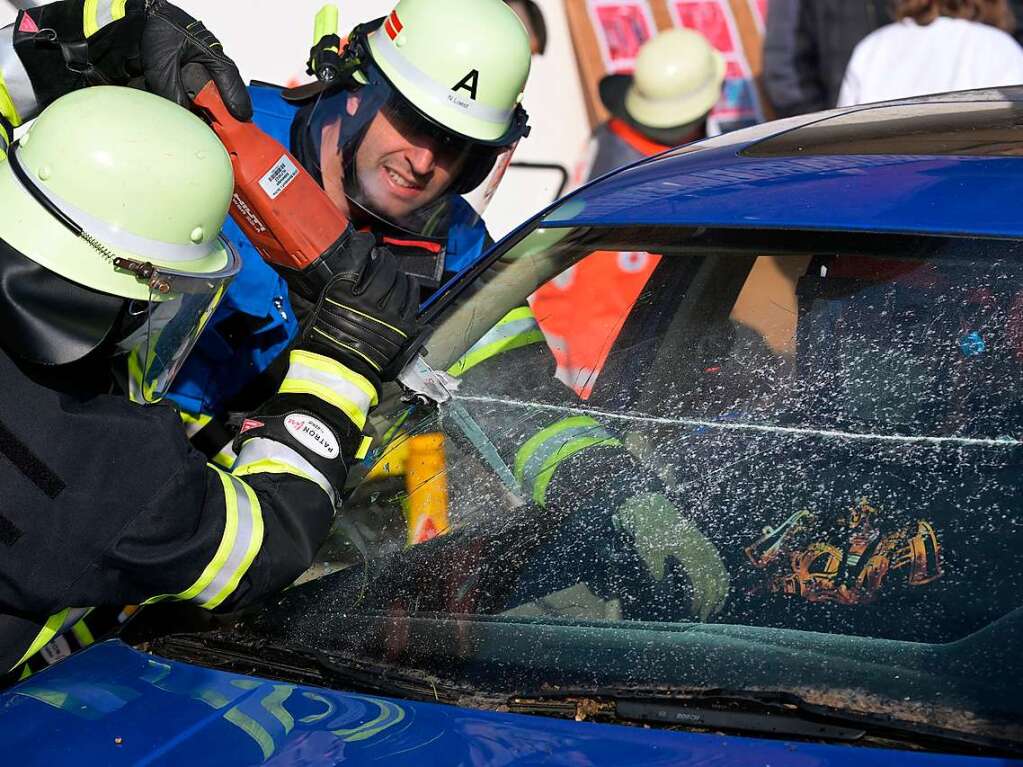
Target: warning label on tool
(277, 179)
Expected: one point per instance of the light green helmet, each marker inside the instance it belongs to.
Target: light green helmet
(419, 130)
(463, 63)
(110, 240)
(143, 177)
(677, 80)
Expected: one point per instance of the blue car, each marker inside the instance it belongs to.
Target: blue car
(717, 461)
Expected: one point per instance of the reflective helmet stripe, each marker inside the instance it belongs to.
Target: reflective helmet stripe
(114, 237)
(440, 93)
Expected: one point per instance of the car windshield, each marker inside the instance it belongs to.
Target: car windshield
(680, 459)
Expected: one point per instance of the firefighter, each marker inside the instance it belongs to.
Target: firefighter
(412, 144)
(111, 262)
(666, 102)
(577, 467)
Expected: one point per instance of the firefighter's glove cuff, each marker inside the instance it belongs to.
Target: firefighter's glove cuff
(365, 318)
(171, 40)
(314, 424)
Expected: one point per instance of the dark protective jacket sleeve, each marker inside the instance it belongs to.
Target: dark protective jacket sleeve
(106, 503)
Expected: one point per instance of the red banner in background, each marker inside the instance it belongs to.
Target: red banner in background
(759, 10)
(740, 103)
(621, 29)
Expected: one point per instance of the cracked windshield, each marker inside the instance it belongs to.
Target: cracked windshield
(739, 467)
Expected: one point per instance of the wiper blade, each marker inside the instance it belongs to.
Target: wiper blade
(778, 714)
(304, 665)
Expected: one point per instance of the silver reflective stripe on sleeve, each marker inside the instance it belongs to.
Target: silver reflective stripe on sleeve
(20, 97)
(265, 456)
(55, 626)
(98, 13)
(239, 545)
(248, 536)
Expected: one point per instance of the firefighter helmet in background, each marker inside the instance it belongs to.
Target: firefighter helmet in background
(448, 77)
(112, 205)
(676, 83)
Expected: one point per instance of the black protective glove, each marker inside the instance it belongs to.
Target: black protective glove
(171, 39)
(154, 40)
(365, 315)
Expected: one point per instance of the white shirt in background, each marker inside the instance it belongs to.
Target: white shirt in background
(906, 59)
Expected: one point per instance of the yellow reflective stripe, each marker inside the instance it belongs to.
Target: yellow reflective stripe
(96, 14)
(48, 632)
(546, 473)
(521, 313)
(90, 24)
(270, 466)
(194, 423)
(255, 542)
(83, 634)
(544, 435)
(471, 360)
(368, 317)
(223, 551)
(364, 446)
(355, 414)
(26, 672)
(274, 705)
(225, 459)
(254, 730)
(267, 456)
(390, 715)
(8, 111)
(335, 368)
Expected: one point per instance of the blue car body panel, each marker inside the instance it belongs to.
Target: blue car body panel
(114, 705)
(720, 187)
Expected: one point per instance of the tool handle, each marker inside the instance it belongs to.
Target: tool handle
(204, 94)
(328, 22)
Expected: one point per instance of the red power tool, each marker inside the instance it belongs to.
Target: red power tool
(277, 204)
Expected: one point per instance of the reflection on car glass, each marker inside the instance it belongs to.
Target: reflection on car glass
(820, 448)
(985, 129)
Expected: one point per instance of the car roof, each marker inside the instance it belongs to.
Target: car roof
(948, 164)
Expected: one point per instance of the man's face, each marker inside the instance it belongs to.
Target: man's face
(400, 168)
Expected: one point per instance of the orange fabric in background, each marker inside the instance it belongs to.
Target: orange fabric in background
(581, 312)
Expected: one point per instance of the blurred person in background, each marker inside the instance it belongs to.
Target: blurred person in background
(532, 19)
(935, 46)
(664, 103)
(807, 47)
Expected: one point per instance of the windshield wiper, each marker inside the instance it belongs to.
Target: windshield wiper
(776, 714)
(305, 665)
(756, 712)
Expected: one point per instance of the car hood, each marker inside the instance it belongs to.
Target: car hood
(114, 705)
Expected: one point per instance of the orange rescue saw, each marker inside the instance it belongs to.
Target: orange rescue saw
(281, 209)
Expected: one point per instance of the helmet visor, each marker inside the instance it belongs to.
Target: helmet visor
(376, 154)
(164, 331)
